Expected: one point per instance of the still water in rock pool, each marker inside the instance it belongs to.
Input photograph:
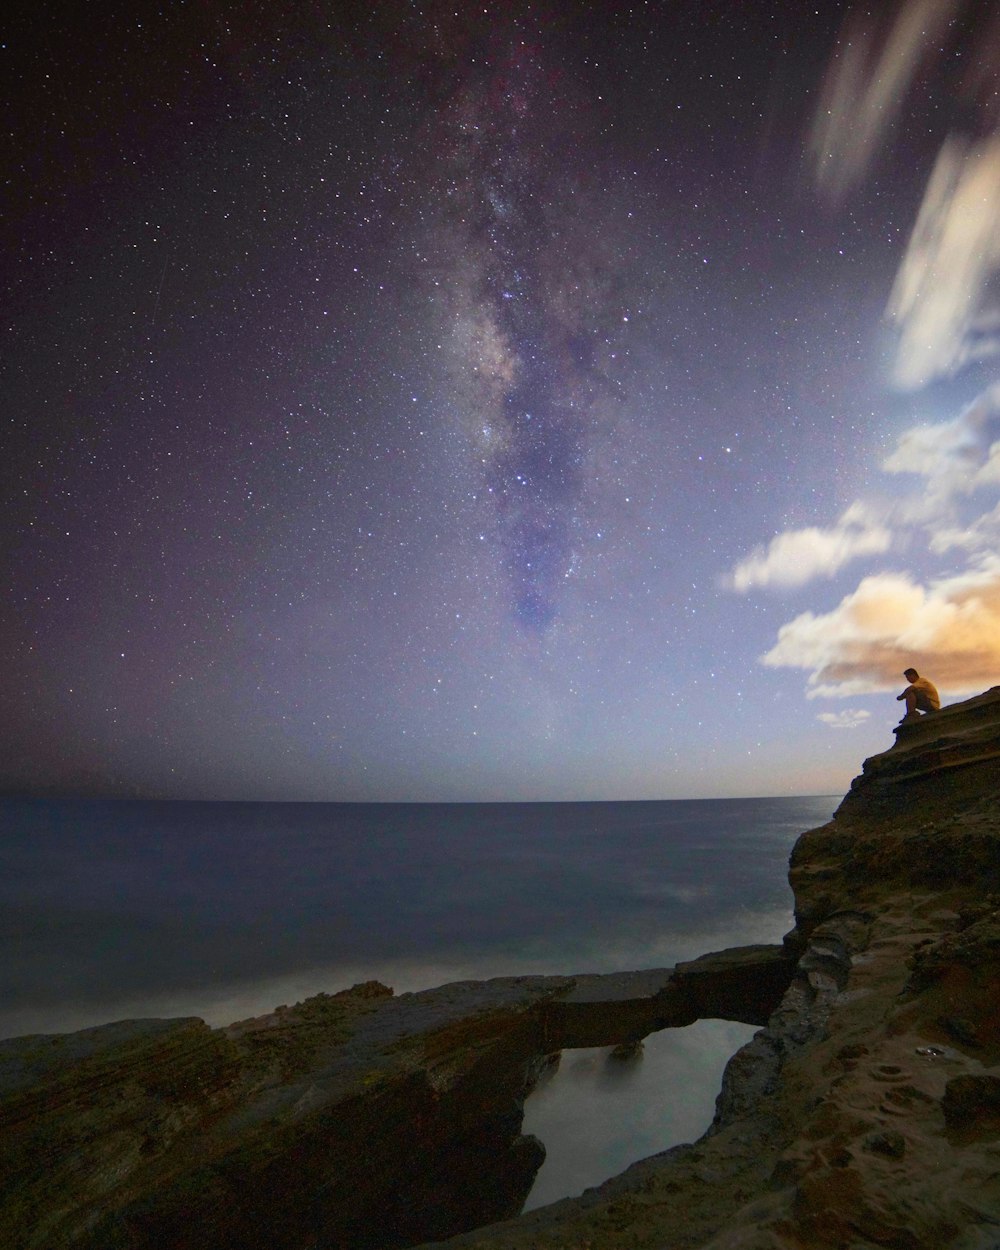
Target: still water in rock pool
(598, 1113)
(129, 909)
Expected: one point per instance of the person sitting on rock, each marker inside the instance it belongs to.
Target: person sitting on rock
(920, 695)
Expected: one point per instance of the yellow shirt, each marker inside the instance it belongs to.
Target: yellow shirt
(927, 695)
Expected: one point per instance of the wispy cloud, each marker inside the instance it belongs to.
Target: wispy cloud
(850, 718)
(800, 556)
(982, 534)
(870, 73)
(939, 302)
(953, 457)
(955, 467)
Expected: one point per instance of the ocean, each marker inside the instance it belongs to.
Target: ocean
(117, 909)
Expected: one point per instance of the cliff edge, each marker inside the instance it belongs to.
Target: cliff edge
(866, 1111)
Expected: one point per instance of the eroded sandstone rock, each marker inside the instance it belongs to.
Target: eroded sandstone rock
(352, 1120)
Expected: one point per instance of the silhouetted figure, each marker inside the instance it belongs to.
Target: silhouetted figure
(920, 696)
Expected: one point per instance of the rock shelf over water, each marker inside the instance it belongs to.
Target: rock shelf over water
(865, 1113)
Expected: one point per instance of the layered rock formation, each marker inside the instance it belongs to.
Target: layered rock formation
(353, 1120)
(865, 1113)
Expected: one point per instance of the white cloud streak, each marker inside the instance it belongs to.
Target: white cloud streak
(938, 303)
(951, 460)
(982, 534)
(953, 455)
(866, 86)
(800, 556)
(850, 718)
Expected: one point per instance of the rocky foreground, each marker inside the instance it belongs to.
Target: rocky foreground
(865, 1113)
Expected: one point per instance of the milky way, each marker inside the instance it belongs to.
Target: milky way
(532, 288)
(513, 401)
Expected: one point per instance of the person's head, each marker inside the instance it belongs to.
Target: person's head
(910, 674)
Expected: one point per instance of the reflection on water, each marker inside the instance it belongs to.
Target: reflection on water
(597, 1114)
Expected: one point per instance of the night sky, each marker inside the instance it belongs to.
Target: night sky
(494, 401)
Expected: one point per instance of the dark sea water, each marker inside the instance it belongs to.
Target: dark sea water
(224, 910)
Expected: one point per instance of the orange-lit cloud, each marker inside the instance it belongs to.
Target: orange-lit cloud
(950, 631)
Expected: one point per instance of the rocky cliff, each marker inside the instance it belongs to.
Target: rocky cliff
(865, 1113)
